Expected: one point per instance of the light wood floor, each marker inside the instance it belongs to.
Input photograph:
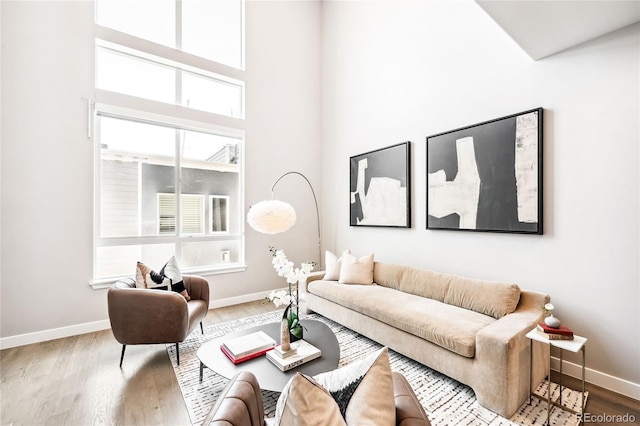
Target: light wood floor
(77, 381)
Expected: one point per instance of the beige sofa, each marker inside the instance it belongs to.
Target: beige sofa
(470, 330)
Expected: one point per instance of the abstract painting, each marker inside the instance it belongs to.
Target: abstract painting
(488, 176)
(381, 187)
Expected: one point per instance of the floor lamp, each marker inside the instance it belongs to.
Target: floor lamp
(275, 216)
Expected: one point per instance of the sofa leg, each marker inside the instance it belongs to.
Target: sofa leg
(201, 328)
(122, 355)
(178, 352)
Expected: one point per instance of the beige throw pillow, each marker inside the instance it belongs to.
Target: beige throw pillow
(356, 270)
(363, 390)
(332, 266)
(304, 402)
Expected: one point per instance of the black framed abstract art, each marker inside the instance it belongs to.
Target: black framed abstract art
(488, 176)
(380, 193)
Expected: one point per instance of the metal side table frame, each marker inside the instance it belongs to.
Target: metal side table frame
(578, 344)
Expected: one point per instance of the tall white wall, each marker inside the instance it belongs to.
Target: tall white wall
(283, 116)
(398, 70)
(283, 133)
(47, 160)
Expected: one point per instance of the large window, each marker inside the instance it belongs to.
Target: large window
(169, 134)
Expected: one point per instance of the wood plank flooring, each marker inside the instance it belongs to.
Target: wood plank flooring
(77, 381)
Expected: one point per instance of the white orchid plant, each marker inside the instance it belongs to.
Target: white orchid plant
(285, 268)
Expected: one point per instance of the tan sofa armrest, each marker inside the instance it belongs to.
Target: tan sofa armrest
(518, 323)
(314, 276)
(409, 411)
(303, 290)
(503, 347)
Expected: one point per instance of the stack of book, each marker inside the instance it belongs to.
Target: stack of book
(304, 352)
(244, 348)
(560, 333)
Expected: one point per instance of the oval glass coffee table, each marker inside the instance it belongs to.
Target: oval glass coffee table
(269, 376)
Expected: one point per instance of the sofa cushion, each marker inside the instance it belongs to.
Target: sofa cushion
(356, 270)
(416, 281)
(304, 402)
(363, 390)
(491, 298)
(451, 327)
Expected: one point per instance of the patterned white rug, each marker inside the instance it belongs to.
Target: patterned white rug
(446, 401)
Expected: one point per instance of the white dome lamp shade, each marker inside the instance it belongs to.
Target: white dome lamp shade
(271, 216)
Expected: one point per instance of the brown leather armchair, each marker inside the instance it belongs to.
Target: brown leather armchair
(241, 403)
(142, 316)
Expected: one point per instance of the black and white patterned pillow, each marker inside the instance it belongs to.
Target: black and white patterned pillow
(148, 278)
(168, 277)
(363, 390)
(171, 270)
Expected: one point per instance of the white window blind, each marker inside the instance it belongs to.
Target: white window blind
(191, 214)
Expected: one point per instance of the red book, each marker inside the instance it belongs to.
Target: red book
(244, 358)
(562, 330)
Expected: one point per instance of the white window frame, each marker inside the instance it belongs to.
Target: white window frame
(127, 107)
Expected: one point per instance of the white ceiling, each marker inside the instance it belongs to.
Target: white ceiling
(543, 28)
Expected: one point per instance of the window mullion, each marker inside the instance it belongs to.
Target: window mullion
(178, 101)
(178, 182)
(179, 24)
(97, 202)
(178, 75)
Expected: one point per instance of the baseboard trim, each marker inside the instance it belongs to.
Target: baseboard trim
(229, 301)
(598, 378)
(90, 327)
(52, 334)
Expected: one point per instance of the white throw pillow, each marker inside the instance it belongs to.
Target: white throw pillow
(356, 270)
(332, 266)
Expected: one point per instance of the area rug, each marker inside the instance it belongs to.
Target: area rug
(446, 401)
